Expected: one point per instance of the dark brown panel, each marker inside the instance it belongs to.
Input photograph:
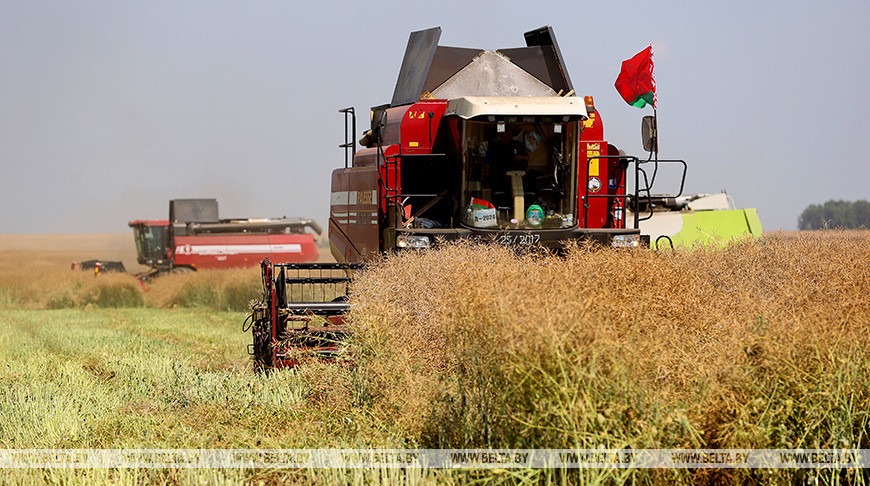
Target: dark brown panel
(447, 62)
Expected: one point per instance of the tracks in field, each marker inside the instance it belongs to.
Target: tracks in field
(58, 348)
(99, 342)
(123, 378)
(201, 353)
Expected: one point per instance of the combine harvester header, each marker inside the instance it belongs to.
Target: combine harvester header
(698, 219)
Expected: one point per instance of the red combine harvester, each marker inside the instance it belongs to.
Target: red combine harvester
(492, 145)
(194, 238)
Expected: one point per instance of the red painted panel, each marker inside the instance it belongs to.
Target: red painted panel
(594, 184)
(233, 251)
(150, 222)
(600, 178)
(420, 126)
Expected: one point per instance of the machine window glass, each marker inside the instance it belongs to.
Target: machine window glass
(138, 234)
(157, 238)
(150, 241)
(521, 171)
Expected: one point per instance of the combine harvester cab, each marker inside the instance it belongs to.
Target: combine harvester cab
(195, 238)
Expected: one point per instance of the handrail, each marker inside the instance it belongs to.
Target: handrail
(682, 179)
(639, 173)
(349, 142)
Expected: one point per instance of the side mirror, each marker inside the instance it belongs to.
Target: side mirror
(649, 134)
(379, 123)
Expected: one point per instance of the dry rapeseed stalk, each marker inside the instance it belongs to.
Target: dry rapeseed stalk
(698, 327)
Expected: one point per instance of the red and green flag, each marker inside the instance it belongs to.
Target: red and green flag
(481, 203)
(636, 82)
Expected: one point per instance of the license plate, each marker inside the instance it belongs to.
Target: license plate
(520, 239)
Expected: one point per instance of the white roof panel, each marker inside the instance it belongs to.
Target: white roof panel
(473, 106)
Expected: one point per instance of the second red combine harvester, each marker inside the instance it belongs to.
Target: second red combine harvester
(486, 144)
(195, 238)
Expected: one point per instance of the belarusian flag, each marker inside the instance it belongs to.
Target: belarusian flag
(637, 80)
(481, 203)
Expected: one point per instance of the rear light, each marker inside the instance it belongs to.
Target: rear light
(626, 241)
(412, 241)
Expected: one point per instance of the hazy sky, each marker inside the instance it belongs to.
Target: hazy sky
(108, 109)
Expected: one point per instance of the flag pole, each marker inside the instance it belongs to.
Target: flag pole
(652, 68)
(656, 125)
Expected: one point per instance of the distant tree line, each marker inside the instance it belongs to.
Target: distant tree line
(835, 214)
